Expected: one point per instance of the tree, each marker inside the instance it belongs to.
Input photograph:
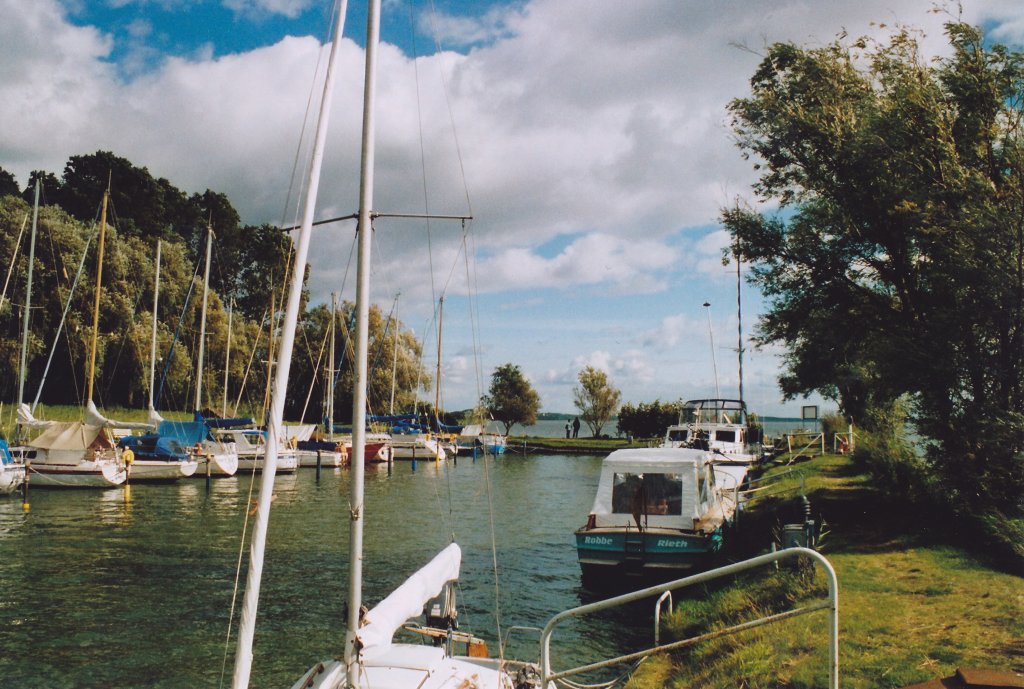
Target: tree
(596, 399)
(511, 398)
(896, 265)
(647, 420)
(8, 185)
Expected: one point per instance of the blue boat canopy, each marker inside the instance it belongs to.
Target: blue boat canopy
(151, 446)
(187, 433)
(238, 422)
(5, 453)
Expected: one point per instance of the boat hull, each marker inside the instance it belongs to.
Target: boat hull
(160, 471)
(287, 463)
(327, 458)
(102, 473)
(609, 556)
(11, 477)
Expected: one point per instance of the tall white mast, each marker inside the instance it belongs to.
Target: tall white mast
(247, 628)
(202, 322)
(152, 347)
(227, 363)
(28, 297)
(330, 368)
(364, 229)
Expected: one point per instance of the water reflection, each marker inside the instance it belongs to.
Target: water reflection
(98, 591)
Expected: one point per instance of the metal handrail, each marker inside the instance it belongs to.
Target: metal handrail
(657, 615)
(547, 675)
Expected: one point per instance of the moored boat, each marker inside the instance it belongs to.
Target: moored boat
(157, 459)
(718, 425)
(659, 513)
(12, 473)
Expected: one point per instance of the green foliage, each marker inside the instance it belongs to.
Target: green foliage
(884, 451)
(511, 398)
(8, 184)
(647, 420)
(897, 267)
(596, 398)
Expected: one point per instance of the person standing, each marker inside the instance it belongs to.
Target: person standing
(576, 427)
(568, 428)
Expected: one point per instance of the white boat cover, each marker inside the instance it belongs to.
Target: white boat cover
(407, 601)
(472, 430)
(684, 462)
(301, 433)
(26, 419)
(94, 418)
(154, 418)
(70, 435)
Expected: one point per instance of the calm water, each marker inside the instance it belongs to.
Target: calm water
(97, 590)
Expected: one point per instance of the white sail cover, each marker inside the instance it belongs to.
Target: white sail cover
(408, 601)
(94, 418)
(301, 432)
(26, 419)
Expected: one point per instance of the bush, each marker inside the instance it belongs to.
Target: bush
(887, 454)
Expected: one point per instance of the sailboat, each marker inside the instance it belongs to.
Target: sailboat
(370, 657)
(158, 458)
(77, 453)
(213, 457)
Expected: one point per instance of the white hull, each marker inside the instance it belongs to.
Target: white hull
(287, 463)
(60, 470)
(11, 477)
(155, 470)
(410, 665)
(222, 464)
(416, 448)
(307, 458)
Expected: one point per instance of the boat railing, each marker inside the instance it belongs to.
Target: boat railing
(548, 675)
(667, 596)
(772, 485)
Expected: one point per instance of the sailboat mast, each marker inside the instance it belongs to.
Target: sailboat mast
(96, 301)
(330, 368)
(152, 347)
(739, 321)
(394, 360)
(28, 297)
(355, 574)
(202, 321)
(257, 547)
(227, 363)
(437, 381)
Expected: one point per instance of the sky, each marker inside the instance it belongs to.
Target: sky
(588, 140)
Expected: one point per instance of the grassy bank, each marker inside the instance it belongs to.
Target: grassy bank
(913, 605)
(539, 445)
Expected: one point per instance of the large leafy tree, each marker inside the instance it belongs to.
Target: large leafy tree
(896, 263)
(596, 398)
(511, 398)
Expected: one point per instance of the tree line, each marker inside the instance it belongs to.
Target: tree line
(893, 266)
(248, 270)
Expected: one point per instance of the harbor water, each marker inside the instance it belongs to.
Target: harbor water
(135, 588)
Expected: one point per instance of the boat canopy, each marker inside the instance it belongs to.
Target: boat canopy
(301, 433)
(71, 435)
(152, 446)
(238, 422)
(408, 601)
(662, 484)
(5, 453)
(187, 433)
(716, 411)
(472, 430)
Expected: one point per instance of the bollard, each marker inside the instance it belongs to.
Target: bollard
(318, 462)
(209, 471)
(414, 461)
(24, 486)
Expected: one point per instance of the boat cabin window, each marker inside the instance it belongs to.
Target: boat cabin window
(725, 436)
(647, 493)
(677, 435)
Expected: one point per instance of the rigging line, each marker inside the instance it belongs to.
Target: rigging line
(316, 370)
(448, 103)
(423, 165)
(306, 119)
(60, 328)
(252, 355)
(14, 259)
(471, 302)
(177, 331)
(106, 390)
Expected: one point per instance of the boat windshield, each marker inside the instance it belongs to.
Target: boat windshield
(647, 493)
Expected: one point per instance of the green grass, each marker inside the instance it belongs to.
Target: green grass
(913, 605)
(75, 413)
